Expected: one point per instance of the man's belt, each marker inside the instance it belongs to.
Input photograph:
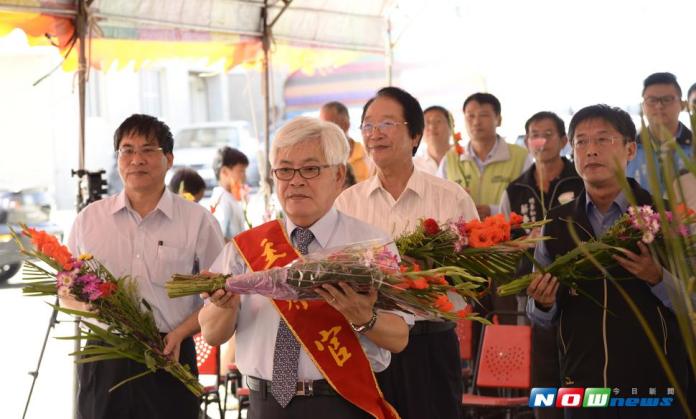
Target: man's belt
(426, 327)
(304, 388)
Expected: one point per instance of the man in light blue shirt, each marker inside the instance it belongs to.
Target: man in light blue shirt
(662, 105)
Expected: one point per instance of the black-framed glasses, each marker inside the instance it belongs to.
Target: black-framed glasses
(601, 142)
(306, 172)
(664, 100)
(127, 152)
(384, 126)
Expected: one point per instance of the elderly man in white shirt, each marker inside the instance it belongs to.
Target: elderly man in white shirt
(424, 381)
(309, 164)
(148, 233)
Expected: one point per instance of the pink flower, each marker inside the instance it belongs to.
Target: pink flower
(65, 278)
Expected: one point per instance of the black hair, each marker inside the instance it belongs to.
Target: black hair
(448, 116)
(148, 127)
(616, 117)
(691, 90)
(192, 182)
(560, 125)
(413, 113)
(228, 157)
(483, 98)
(662, 78)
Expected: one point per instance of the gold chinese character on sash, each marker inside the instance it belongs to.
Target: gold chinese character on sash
(270, 254)
(298, 305)
(339, 353)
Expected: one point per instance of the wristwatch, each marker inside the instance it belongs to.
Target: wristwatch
(364, 328)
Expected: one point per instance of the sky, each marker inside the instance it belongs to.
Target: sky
(542, 54)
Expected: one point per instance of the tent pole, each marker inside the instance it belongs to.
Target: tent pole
(266, 43)
(81, 26)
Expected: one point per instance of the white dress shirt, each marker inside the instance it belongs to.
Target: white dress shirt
(426, 164)
(425, 196)
(228, 212)
(257, 321)
(150, 249)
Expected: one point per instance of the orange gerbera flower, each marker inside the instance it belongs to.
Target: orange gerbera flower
(50, 246)
(497, 235)
(443, 303)
(497, 220)
(403, 285)
(480, 238)
(515, 219)
(405, 267)
(419, 284)
(683, 211)
(473, 225)
(439, 280)
(464, 312)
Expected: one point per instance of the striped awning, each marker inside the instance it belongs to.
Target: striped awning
(352, 84)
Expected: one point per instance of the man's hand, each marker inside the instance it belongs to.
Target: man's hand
(483, 211)
(172, 345)
(642, 265)
(543, 290)
(222, 298)
(356, 308)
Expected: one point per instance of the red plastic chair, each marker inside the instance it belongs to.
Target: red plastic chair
(464, 332)
(504, 363)
(208, 362)
(242, 394)
(233, 385)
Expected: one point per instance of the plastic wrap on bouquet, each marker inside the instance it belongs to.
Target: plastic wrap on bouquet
(363, 266)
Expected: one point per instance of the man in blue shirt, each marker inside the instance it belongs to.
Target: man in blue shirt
(662, 103)
(600, 340)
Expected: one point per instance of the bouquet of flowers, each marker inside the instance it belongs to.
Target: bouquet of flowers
(362, 265)
(130, 330)
(639, 224)
(482, 248)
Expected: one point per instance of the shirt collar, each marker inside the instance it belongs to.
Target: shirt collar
(499, 152)
(322, 229)
(620, 201)
(165, 204)
(415, 183)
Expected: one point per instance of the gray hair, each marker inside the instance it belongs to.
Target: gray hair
(332, 139)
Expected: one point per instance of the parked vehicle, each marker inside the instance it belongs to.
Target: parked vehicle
(26, 206)
(195, 147)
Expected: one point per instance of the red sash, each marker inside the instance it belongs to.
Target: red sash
(323, 332)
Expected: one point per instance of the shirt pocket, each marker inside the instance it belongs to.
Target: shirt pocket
(173, 260)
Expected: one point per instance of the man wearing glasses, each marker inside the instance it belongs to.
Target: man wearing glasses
(662, 103)
(600, 340)
(424, 381)
(147, 233)
(286, 378)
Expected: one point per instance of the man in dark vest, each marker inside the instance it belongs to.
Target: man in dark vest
(551, 181)
(600, 340)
